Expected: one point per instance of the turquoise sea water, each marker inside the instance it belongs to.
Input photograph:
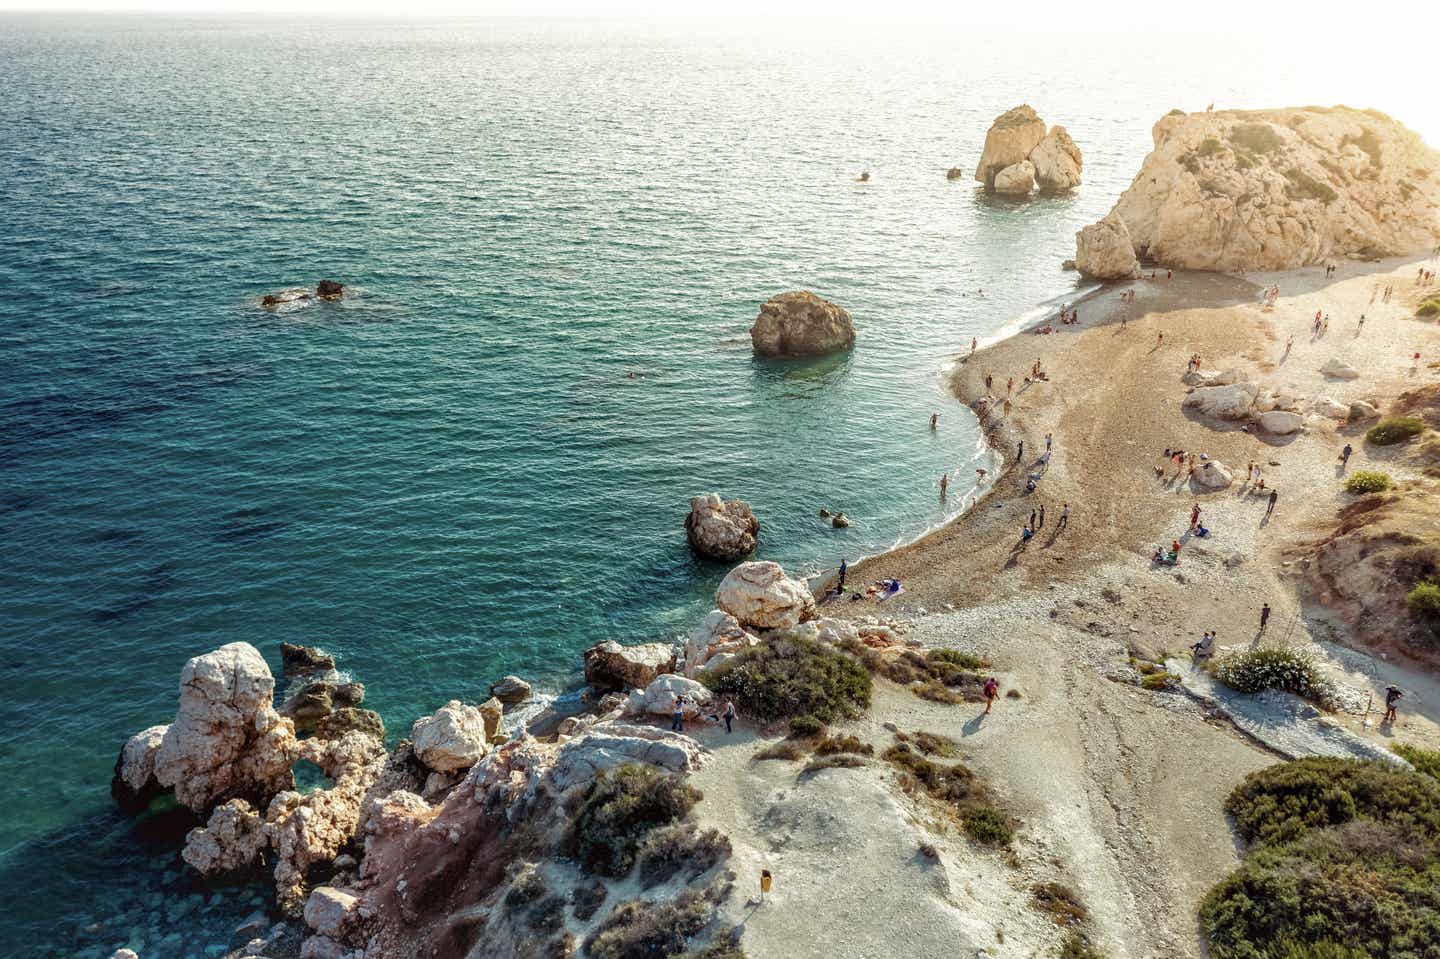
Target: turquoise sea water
(452, 474)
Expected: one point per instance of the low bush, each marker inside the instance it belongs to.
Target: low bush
(1302, 186)
(1159, 681)
(785, 678)
(1275, 668)
(831, 745)
(1430, 307)
(803, 727)
(784, 749)
(956, 658)
(620, 809)
(956, 787)
(1426, 761)
(1077, 946)
(1256, 137)
(1209, 147)
(941, 675)
(931, 744)
(726, 946)
(587, 898)
(682, 849)
(639, 929)
(530, 900)
(836, 761)
(1060, 903)
(1424, 599)
(1367, 481)
(1395, 429)
(937, 692)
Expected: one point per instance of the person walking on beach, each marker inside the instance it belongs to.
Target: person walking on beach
(992, 691)
(989, 381)
(1019, 451)
(677, 718)
(1274, 495)
(729, 715)
(1007, 407)
(1049, 438)
(1195, 516)
(1264, 616)
(1392, 699)
(1042, 517)
(1064, 518)
(973, 343)
(844, 568)
(1010, 386)
(1345, 456)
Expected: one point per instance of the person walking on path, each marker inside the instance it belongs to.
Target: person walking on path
(1025, 535)
(729, 715)
(1345, 455)
(1195, 516)
(1042, 517)
(1064, 518)
(1392, 699)
(1049, 438)
(1010, 386)
(677, 718)
(1032, 520)
(1274, 495)
(1264, 616)
(1019, 451)
(844, 568)
(992, 692)
(1007, 407)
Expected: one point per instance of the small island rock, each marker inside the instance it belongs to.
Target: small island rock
(720, 530)
(1057, 162)
(1009, 141)
(801, 324)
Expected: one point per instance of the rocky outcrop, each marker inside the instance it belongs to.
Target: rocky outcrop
(1278, 189)
(296, 660)
(316, 700)
(329, 290)
(761, 596)
(1105, 251)
(720, 530)
(1281, 422)
(326, 290)
(659, 697)
(609, 665)
(1016, 179)
(1009, 141)
(1231, 402)
(451, 739)
(134, 784)
(511, 689)
(1057, 162)
(718, 634)
(801, 324)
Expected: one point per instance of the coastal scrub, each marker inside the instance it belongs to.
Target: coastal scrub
(794, 677)
(1395, 429)
(1289, 669)
(1367, 481)
(957, 788)
(621, 808)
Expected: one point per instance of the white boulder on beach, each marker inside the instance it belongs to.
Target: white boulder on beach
(760, 596)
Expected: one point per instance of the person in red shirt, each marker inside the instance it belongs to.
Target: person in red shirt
(992, 691)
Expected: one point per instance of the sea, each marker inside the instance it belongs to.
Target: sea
(554, 235)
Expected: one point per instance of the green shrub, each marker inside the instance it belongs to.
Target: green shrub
(1425, 761)
(532, 902)
(621, 808)
(1209, 147)
(1256, 138)
(726, 946)
(1060, 903)
(1274, 668)
(587, 898)
(933, 671)
(1424, 599)
(643, 930)
(784, 749)
(987, 824)
(1159, 680)
(1302, 186)
(679, 849)
(1395, 429)
(1367, 481)
(956, 658)
(804, 727)
(831, 745)
(931, 744)
(1430, 307)
(956, 787)
(1077, 946)
(834, 761)
(794, 677)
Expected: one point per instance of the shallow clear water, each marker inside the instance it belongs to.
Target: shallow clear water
(452, 474)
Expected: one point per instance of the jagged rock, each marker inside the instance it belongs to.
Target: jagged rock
(1339, 370)
(761, 596)
(511, 689)
(1278, 189)
(718, 633)
(329, 290)
(720, 530)
(330, 911)
(454, 737)
(1281, 422)
(609, 665)
(1330, 408)
(1016, 179)
(491, 711)
(296, 295)
(660, 695)
(1009, 140)
(231, 840)
(133, 785)
(1232, 402)
(302, 660)
(349, 719)
(315, 700)
(840, 521)
(1361, 410)
(801, 324)
(582, 759)
(1057, 162)
(1213, 474)
(1104, 250)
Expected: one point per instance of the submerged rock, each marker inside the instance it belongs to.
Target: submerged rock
(801, 324)
(761, 596)
(720, 530)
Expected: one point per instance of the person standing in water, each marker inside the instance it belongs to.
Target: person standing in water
(934, 418)
(944, 484)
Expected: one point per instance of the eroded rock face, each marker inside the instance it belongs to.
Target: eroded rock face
(1009, 140)
(721, 530)
(761, 596)
(451, 739)
(609, 665)
(1016, 179)
(1104, 250)
(134, 783)
(1057, 162)
(801, 324)
(1279, 189)
(718, 634)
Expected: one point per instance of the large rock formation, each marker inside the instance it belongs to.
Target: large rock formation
(801, 324)
(609, 665)
(1009, 141)
(718, 635)
(761, 596)
(1105, 251)
(720, 530)
(1278, 189)
(453, 738)
(1016, 179)
(1057, 162)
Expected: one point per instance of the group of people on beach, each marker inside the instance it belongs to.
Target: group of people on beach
(1425, 277)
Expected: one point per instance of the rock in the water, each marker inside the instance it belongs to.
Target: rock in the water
(1281, 422)
(134, 784)
(1057, 162)
(1231, 402)
(511, 689)
(801, 324)
(299, 660)
(1339, 370)
(1016, 179)
(1278, 189)
(1361, 410)
(954, 173)
(1067, 265)
(313, 701)
(349, 719)
(451, 739)
(1104, 250)
(720, 530)
(609, 665)
(272, 300)
(1009, 140)
(761, 596)
(1213, 475)
(329, 290)
(330, 911)
(840, 521)
(660, 695)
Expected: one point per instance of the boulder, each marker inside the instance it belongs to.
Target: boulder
(1231, 402)
(840, 521)
(1281, 422)
(954, 173)
(716, 662)
(124, 954)
(302, 660)
(1212, 377)
(1361, 410)
(330, 911)
(452, 738)
(1104, 251)
(348, 719)
(583, 758)
(1330, 408)
(230, 841)
(315, 700)
(720, 530)
(511, 689)
(329, 290)
(1213, 475)
(491, 711)
(1339, 370)
(761, 596)
(1057, 162)
(660, 695)
(801, 324)
(133, 786)
(1009, 140)
(717, 633)
(1016, 180)
(1278, 189)
(609, 665)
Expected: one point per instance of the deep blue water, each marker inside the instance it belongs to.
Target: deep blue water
(452, 474)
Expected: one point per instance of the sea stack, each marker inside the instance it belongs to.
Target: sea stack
(1020, 155)
(721, 530)
(1277, 189)
(801, 324)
